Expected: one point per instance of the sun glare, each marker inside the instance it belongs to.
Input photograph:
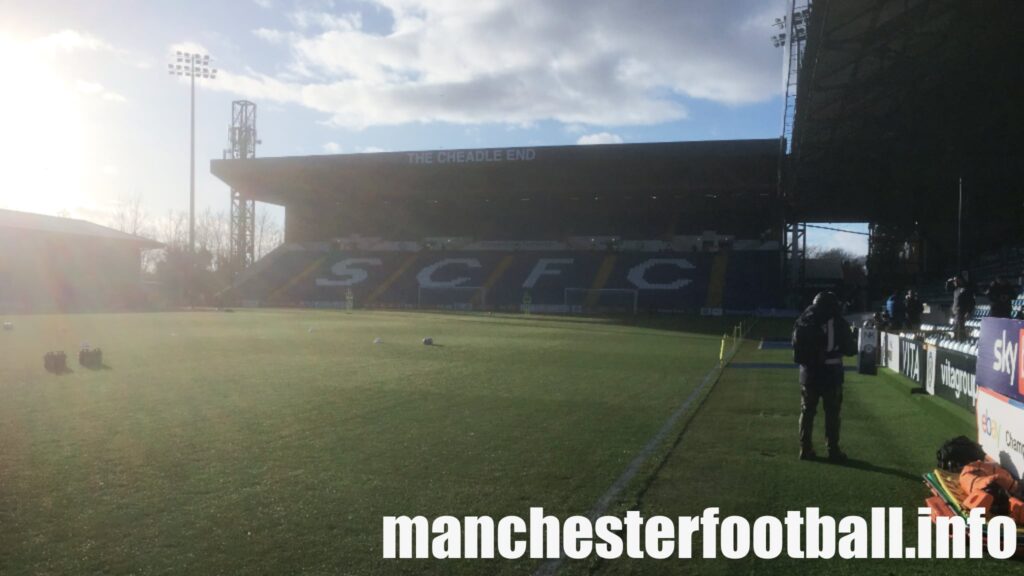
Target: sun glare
(42, 140)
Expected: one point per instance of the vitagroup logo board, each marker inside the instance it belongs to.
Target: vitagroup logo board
(951, 376)
(1000, 350)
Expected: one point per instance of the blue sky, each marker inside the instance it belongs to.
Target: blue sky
(92, 117)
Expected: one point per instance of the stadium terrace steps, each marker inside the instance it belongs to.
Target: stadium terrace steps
(716, 288)
(280, 294)
(383, 287)
(601, 280)
(264, 263)
(320, 274)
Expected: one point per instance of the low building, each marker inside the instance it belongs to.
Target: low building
(51, 264)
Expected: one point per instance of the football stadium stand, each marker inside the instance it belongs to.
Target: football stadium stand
(677, 226)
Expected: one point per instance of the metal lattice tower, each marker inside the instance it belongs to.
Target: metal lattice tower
(794, 251)
(792, 38)
(243, 141)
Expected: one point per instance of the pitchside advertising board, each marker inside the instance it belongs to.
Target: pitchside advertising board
(912, 360)
(1000, 409)
(951, 376)
(867, 351)
(999, 357)
(891, 351)
(1001, 429)
(944, 373)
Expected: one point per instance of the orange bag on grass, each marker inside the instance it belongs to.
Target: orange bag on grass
(981, 481)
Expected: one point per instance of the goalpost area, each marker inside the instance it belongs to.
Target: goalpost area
(601, 301)
(452, 298)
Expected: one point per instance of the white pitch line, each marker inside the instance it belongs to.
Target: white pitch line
(550, 567)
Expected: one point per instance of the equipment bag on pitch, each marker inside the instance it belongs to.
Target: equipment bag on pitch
(957, 453)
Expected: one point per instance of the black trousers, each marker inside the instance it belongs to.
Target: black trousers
(960, 326)
(829, 390)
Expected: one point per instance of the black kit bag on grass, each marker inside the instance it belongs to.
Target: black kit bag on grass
(957, 453)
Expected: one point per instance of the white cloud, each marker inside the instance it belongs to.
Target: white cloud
(347, 22)
(270, 35)
(335, 148)
(518, 62)
(71, 41)
(97, 89)
(600, 138)
(188, 46)
(263, 3)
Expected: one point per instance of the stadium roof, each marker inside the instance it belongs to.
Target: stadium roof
(13, 220)
(616, 169)
(898, 99)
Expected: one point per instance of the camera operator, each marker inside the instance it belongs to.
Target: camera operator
(963, 304)
(821, 337)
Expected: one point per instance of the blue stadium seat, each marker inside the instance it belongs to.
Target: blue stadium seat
(499, 279)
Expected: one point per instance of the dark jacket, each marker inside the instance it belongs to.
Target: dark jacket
(1001, 294)
(963, 301)
(895, 307)
(837, 340)
(914, 310)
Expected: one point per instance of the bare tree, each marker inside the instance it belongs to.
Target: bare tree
(267, 233)
(173, 230)
(836, 254)
(129, 216)
(213, 230)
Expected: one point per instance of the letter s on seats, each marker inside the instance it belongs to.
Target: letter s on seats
(350, 276)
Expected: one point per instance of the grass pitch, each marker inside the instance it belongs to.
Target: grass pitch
(739, 453)
(272, 442)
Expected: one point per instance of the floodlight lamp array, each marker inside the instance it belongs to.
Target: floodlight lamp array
(192, 65)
